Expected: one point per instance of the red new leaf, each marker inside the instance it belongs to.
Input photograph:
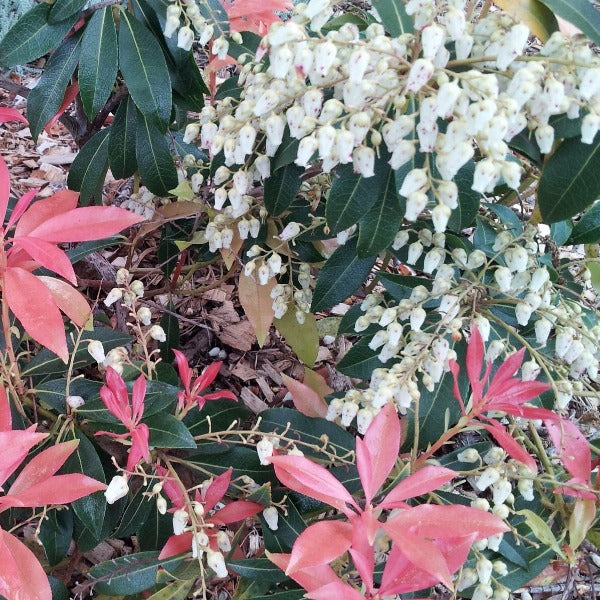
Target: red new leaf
(5, 414)
(320, 544)
(42, 210)
(11, 114)
(236, 511)
(4, 189)
(309, 579)
(572, 447)
(85, 224)
(337, 590)
(217, 489)
(306, 400)
(48, 255)
(510, 445)
(304, 476)
(177, 544)
(69, 96)
(423, 481)
(32, 303)
(15, 446)
(68, 299)
(22, 575)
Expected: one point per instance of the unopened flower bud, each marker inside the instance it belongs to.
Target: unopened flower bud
(271, 517)
(185, 38)
(75, 401)
(470, 455)
(264, 449)
(180, 520)
(117, 489)
(96, 349)
(223, 541)
(114, 295)
(156, 332)
(216, 562)
(161, 505)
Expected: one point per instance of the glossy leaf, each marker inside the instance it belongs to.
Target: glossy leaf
(421, 482)
(257, 304)
(572, 448)
(39, 316)
(135, 514)
(98, 62)
(121, 146)
(88, 170)
(281, 188)
(533, 13)
(213, 11)
(154, 158)
(394, 17)
(257, 568)
(142, 63)
(168, 432)
(46, 97)
(56, 532)
(587, 229)
(570, 180)
(68, 300)
(32, 36)
(303, 338)
(22, 574)
(128, 574)
(380, 224)
(341, 275)
(352, 195)
(177, 590)
(70, 95)
(581, 13)
(360, 361)
(306, 400)
(62, 9)
(468, 200)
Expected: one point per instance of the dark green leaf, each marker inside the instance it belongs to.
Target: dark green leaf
(32, 36)
(56, 532)
(47, 363)
(401, 286)
(468, 200)
(484, 237)
(279, 595)
(379, 226)
(287, 151)
(121, 146)
(144, 69)
(217, 415)
(168, 432)
(507, 216)
(85, 248)
(45, 98)
(281, 188)
(337, 22)
(560, 231)
(89, 168)
(155, 530)
(230, 88)
(581, 13)
(188, 83)
(258, 568)
(289, 526)
(154, 158)
(352, 195)
(170, 325)
(525, 143)
(341, 275)
(59, 589)
(53, 392)
(360, 361)
(63, 9)
(136, 513)
(215, 14)
(570, 180)
(307, 429)
(89, 509)
(85, 539)
(129, 574)
(243, 460)
(394, 17)
(99, 61)
(587, 229)
(249, 45)
(565, 127)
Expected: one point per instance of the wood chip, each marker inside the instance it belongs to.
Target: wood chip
(224, 315)
(238, 335)
(252, 401)
(270, 371)
(244, 371)
(265, 388)
(216, 295)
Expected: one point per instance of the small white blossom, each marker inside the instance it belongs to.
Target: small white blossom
(264, 449)
(156, 332)
(271, 517)
(117, 489)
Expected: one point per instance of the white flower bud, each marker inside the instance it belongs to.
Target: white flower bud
(516, 259)
(484, 569)
(363, 159)
(144, 315)
(538, 279)
(223, 541)
(117, 489)
(486, 175)
(271, 517)
(334, 410)
(419, 74)
(415, 204)
(501, 511)
(543, 327)
(414, 252)
(161, 505)
(414, 181)
(417, 318)
(468, 577)
(137, 287)
(216, 562)
(185, 38)
(493, 542)
(503, 278)
(448, 193)
(156, 332)
(400, 240)
(114, 295)
(96, 349)
(482, 592)
(349, 411)
(525, 487)
(192, 131)
(122, 276)
(530, 370)
(171, 25)
(290, 231)
(432, 39)
(264, 449)
(589, 128)
(544, 136)
(180, 520)
(501, 490)
(494, 350)
(470, 455)
(440, 216)
(487, 478)
(364, 417)
(564, 339)
(523, 312)
(75, 401)
(264, 274)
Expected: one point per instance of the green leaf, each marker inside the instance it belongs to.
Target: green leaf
(47, 363)
(155, 530)
(337, 22)
(249, 45)
(561, 231)
(168, 432)
(468, 200)
(99, 61)
(243, 460)
(154, 158)
(524, 142)
(177, 590)
(121, 146)
(570, 180)
(587, 229)
(394, 17)
(144, 69)
(53, 392)
(45, 98)
(281, 188)
(88, 170)
(32, 36)
(379, 226)
(341, 275)
(217, 415)
(62, 9)
(302, 338)
(170, 324)
(215, 14)
(401, 286)
(580, 13)
(56, 532)
(540, 529)
(136, 513)
(287, 151)
(360, 361)
(352, 195)
(89, 509)
(129, 574)
(258, 568)
(507, 216)
(289, 526)
(565, 127)
(59, 589)
(532, 13)
(307, 429)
